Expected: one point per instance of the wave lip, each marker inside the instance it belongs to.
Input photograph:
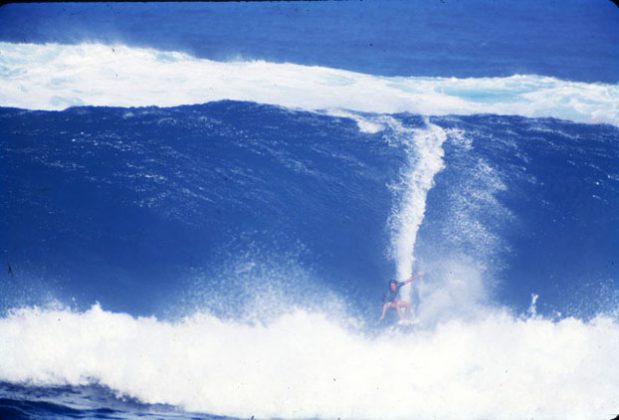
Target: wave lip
(55, 76)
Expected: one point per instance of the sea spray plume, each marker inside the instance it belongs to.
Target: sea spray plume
(424, 152)
(464, 254)
(425, 159)
(257, 288)
(458, 290)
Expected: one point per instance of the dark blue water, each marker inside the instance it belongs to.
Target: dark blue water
(85, 402)
(125, 206)
(574, 40)
(128, 206)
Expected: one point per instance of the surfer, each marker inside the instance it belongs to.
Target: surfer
(392, 298)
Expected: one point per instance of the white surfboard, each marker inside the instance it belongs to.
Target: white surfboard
(407, 322)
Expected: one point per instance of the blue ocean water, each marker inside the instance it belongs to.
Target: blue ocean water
(202, 205)
(573, 40)
(136, 200)
(76, 402)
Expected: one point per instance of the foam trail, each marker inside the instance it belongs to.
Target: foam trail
(425, 161)
(303, 365)
(54, 77)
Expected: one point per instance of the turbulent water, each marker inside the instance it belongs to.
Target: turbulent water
(189, 238)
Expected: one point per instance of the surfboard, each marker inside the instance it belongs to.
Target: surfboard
(407, 322)
(405, 326)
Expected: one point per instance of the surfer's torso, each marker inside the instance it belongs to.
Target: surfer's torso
(393, 295)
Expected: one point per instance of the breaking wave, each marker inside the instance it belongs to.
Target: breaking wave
(54, 77)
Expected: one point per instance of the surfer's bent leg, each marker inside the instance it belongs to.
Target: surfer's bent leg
(386, 306)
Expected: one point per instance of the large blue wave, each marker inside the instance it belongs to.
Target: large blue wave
(230, 257)
(114, 204)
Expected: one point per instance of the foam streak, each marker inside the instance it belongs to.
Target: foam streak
(426, 160)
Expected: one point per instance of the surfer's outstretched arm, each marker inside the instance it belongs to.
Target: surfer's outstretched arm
(411, 278)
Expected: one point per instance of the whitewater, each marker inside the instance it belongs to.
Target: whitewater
(470, 358)
(304, 365)
(54, 77)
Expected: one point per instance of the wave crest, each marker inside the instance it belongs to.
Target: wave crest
(54, 76)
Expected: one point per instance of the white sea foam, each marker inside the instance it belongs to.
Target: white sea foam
(53, 76)
(303, 365)
(425, 154)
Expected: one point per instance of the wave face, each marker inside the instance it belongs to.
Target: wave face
(55, 77)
